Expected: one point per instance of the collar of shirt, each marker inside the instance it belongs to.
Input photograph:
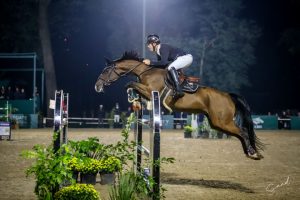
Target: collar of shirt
(157, 49)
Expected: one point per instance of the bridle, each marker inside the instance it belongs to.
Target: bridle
(112, 69)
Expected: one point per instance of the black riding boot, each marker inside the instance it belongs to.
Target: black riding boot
(178, 90)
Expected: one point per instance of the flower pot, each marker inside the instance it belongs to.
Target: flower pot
(187, 134)
(75, 175)
(107, 178)
(219, 135)
(89, 178)
(205, 134)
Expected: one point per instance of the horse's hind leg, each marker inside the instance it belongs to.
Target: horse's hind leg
(245, 124)
(251, 152)
(232, 129)
(242, 134)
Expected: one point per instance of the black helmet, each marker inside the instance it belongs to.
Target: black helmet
(153, 39)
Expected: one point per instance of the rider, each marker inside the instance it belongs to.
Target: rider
(170, 56)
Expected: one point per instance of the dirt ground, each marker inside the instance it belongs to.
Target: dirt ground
(204, 168)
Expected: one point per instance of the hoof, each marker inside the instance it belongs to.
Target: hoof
(255, 156)
(251, 153)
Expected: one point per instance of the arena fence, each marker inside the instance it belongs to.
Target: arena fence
(22, 115)
(261, 122)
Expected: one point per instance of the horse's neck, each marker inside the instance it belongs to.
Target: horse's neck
(141, 69)
(153, 78)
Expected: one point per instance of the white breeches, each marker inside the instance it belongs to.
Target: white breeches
(181, 62)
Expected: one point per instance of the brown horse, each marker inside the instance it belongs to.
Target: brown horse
(228, 113)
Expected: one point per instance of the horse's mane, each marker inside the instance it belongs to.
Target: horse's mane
(130, 55)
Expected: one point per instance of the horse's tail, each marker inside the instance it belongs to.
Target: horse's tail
(243, 108)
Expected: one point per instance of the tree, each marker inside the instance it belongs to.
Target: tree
(55, 20)
(221, 41)
(46, 46)
(18, 27)
(27, 28)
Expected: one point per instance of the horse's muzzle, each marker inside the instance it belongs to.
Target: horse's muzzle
(99, 88)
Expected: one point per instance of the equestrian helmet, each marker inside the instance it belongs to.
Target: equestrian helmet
(153, 39)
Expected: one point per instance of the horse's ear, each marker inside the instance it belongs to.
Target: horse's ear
(108, 61)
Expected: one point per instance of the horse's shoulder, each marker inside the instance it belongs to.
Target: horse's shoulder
(155, 69)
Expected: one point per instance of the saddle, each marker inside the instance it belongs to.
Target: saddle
(188, 84)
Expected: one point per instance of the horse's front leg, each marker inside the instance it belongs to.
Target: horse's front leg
(143, 90)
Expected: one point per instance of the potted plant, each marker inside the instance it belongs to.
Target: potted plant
(213, 133)
(204, 128)
(219, 134)
(108, 167)
(188, 131)
(50, 169)
(86, 148)
(88, 169)
(77, 191)
(73, 165)
(130, 185)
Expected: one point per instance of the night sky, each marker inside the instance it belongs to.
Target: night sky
(275, 77)
(79, 58)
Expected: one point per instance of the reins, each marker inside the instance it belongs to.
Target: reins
(112, 68)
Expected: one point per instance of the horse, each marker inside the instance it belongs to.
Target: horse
(227, 112)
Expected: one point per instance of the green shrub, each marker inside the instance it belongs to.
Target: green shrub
(188, 129)
(73, 164)
(88, 148)
(49, 168)
(129, 186)
(77, 192)
(205, 127)
(88, 165)
(110, 165)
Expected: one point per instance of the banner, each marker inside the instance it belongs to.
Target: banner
(4, 129)
(265, 122)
